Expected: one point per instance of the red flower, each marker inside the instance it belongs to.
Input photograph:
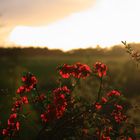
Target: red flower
(81, 70)
(104, 100)
(100, 68)
(98, 106)
(21, 89)
(65, 71)
(13, 116)
(113, 93)
(85, 131)
(24, 100)
(17, 125)
(105, 137)
(16, 105)
(42, 97)
(44, 117)
(119, 107)
(129, 138)
(5, 132)
(12, 119)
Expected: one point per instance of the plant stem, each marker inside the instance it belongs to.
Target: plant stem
(38, 94)
(99, 91)
(77, 82)
(41, 131)
(10, 138)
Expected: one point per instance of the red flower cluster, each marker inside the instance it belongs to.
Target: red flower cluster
(49, 115)
(61, 90)
(17, 106)
(58, 106)
(118, 114)
(29, 82)
(118, 107)
(98, 105)
(77, 70)
(100, 68)
(113, 93)
(13, 125)
(105, 134)
(55, 110)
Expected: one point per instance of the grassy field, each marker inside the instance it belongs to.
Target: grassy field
(123, 71)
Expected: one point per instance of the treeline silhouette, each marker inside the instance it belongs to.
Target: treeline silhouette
(116, 50)
(28, 51)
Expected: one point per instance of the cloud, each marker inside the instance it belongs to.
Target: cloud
(31, 12)
(36, 12)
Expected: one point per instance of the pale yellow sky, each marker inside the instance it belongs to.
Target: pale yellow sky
(69, 24)
(35, 12)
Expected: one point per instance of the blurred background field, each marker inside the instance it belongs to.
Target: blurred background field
(123, 73)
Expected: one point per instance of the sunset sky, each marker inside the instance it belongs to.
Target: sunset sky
(69, 24)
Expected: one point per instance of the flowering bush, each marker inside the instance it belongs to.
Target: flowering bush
(66, 116)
